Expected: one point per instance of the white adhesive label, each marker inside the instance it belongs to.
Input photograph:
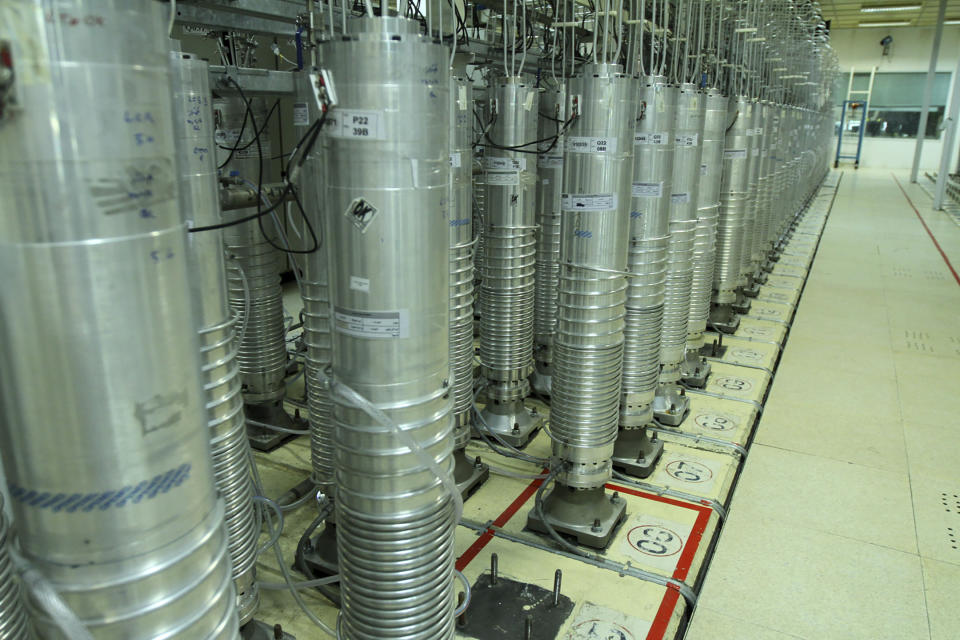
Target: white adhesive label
(528, 103)
(503, 178)
(590, 144)
(373, 324)
(360, 284)
(353, 123)
(589, 202)
(649, 137)
(756, 152)
(655, 542)
(455, 160)
(679, 198)
(505, 164)
(594, 622)
(698, 474)
(751, 132)
(462, 97)
(734, 154)
(647, 190)
(301, 114)
(686, 140)
(703, 169)
(716, 422)
(550, 162)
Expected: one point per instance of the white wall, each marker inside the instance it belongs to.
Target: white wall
(860, 48)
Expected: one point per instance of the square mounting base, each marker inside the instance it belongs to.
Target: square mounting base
(670, 407)
(760, 276)
(588, 515)
(504, 609)
(636, 452)
(541, 383)
(512, 421)
(742, 305)
(256, 630)
(469, 474)
(752, 291)
(723, 318)
(263, 439)
(715, 348)
(694, 370)
(321, 559)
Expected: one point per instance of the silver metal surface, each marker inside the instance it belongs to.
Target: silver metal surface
(467, 473)
(14, 624)
(588, 346)
(315, 293)
(386, 189)
(262, 355)
(553, 115)
(647, 261)
(216, 324)
(506, 290)
(733, 200)
(683, 226)
(754, 147)
(112, 485)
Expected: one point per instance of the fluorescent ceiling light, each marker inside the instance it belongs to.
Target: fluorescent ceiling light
(894, 23)
(953, 21)
(890, 7)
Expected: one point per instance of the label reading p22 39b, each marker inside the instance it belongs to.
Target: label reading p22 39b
(352, 123)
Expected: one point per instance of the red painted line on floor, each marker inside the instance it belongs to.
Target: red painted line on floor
(670, 599)
(485, 537)
(956, 276)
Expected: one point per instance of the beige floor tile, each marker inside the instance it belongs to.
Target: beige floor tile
(932, 450)
(942, 583)
(928, 388)
(708, 624)
(850, 434)
(834, 497)
(798, 581)
(936, 503)
(836, 389)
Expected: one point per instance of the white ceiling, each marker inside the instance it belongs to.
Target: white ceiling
(845, 14)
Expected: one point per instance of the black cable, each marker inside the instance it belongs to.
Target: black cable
(305, 143)
(266, 122)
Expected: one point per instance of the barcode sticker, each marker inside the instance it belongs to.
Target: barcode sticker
(503, 178)
(550, 162)
(589, 202)
(590, 144)
(679, 198)
(455, 160)
(649, 137)
(301, 114)
(686, 140)
(647, 189)
(373, 324)
(500, 164)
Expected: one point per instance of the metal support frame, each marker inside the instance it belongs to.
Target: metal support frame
(949, 138)
(928, 91)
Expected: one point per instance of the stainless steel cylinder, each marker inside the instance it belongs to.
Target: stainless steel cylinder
(733, 200)
(763, 196)
(262, 354)
(14, 624)
(708, 204)
(315, 292)
(647, 252)
(461, 255)
(112, 487)
(553, 115)
(754, 143)
(597, 172)
(506, 292)
(386, 188)
(683, 227)
(216, 324)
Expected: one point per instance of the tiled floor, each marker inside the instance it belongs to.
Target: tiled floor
(846, 521)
